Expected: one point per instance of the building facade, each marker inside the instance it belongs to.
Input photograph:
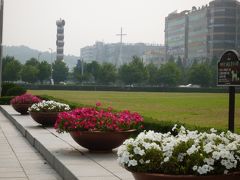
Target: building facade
(60, 39)
(102, 52)
(209, 31)
(176, 25)
(224, 26)
(197, 43)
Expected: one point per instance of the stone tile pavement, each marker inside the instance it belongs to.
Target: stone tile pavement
(70, 160)
(19, 160)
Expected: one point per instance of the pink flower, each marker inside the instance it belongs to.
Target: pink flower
(25, 99)
(109, 108)
(98, 104)
(94, 119)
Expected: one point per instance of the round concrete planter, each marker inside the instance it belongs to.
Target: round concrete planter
(45, 118)
(152, 176)
(98, 141)
(21, 108)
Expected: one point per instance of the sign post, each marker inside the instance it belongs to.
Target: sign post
(229, 75)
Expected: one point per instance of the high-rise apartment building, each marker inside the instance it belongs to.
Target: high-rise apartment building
(176, 34)
(197, 43)
(209, 31)
(224, 26)
(60, 39)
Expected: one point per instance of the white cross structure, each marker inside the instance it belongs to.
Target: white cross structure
(119, 62)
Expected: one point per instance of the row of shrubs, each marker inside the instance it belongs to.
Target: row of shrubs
(125, 88)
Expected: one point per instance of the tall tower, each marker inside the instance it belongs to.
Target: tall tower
(60, 39)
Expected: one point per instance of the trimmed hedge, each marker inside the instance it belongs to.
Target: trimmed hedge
(125, 88)
(5, 100)
(11, 89)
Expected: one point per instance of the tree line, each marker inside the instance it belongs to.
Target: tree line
(170, 74)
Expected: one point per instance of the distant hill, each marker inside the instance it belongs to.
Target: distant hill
(24, 53)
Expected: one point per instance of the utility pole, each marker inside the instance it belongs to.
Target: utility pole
(1, 30)
(119, 63)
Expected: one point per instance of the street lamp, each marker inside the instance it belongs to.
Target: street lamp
(51, 78)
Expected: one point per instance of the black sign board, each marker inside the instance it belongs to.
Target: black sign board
(229, 75)
(229, 69)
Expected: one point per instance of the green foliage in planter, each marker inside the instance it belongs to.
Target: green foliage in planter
(5, 100)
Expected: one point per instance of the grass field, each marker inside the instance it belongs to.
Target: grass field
(201, 109)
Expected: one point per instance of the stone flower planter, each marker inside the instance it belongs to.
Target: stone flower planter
(152, 176)
(97, 141)
(44, 118)
(21, 108)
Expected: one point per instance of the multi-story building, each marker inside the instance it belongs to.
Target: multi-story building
(209, 31)
(224, 26)
(102, 52)
(176, 25)
(197, 43)
(60, 39)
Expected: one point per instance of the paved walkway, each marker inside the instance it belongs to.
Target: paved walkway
(71, 161)
(18, 159)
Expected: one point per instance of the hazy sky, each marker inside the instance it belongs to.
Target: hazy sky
(33, 22)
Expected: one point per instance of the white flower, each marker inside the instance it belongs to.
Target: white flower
(209, 161)
(195, 168)
(147, 161)
(49, 106)
(138, 150)
(204, 169)
(132, 162)
(166, 159)
(213, 130)
(214, 153)
(192, 149)
(174, 127)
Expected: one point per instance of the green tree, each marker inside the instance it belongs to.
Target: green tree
(171, 59)
(107, 73)
(60, 71)
(153, 74)
(11, 69)
(133, 73)
(80, 76)
(93, 69)
(32, 62)
(29, 73)
(169, 74)
(213, 69)
(44, 71)
(200, 74)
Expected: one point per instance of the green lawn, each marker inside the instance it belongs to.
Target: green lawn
(201, 109)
